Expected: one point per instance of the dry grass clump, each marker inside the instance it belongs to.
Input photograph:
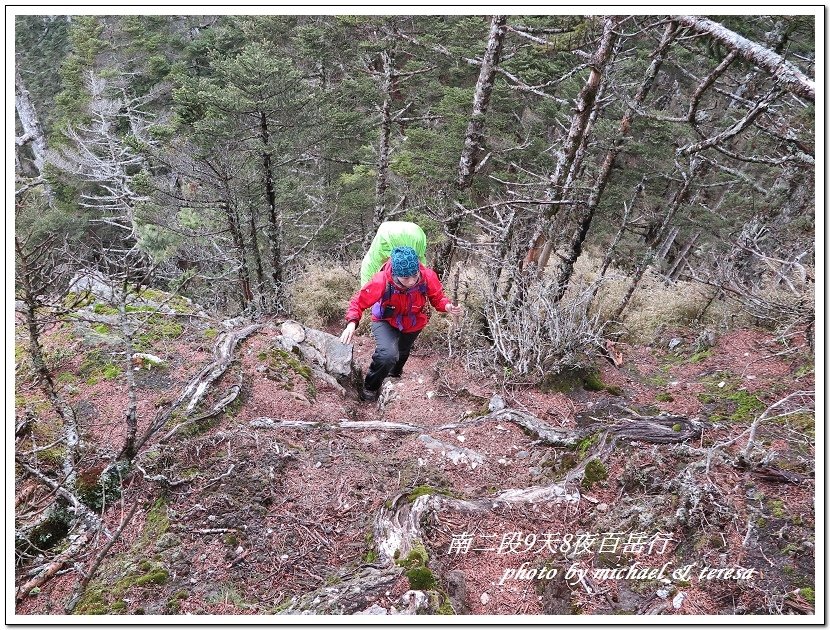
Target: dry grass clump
(320, 294)
(656, 304)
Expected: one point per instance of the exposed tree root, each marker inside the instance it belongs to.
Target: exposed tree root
(90, 523)
(373, 425)
(197, 387)
(355, 592)
(545, 433)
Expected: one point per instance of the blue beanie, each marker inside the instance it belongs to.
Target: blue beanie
(404, 262)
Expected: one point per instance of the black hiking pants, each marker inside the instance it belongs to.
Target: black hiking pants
(391, 352)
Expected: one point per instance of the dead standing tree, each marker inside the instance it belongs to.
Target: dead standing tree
(99, 154)
(384, 68)
(474, 138)
(574, 247)
(34, 283)
(33, 135)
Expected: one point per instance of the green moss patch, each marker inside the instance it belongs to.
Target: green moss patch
(595, 471)
(283, 366)
(122, 571)
(175, 302)
(104, 309)
(100, 486)
(730, 404)
(697, 357)
(158, 328)
(422, 490)
(585, 444)
(421, 579)
(567, 381)
(97, 367)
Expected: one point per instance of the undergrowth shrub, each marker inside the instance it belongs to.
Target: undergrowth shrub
(532, 335)
(320, 294)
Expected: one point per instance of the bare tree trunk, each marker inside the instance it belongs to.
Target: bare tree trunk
(31, 273)
(474, 138)
(647, 260)
(382, 183)
(257, 259)
(232, 217)
(131, 414)
(585, 103)
(32, 130)
(609, 255)
(274, 217)
(782, 70)
(677, 267)
(560, 219)
(581, 232)
(667, 243)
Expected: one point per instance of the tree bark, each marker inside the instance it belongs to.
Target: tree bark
(32, 129)
(796, 81)
(581, 232)
(677, 267)
(131, 414)
(30, 273)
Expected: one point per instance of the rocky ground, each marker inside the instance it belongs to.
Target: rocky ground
(647, 487)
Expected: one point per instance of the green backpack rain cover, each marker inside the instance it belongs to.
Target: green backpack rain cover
(392, 234)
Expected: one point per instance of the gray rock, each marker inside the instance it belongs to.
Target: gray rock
(522, 455)
(674, 342)
(457, 591)
(293, 330)
(92, 281)
(374, 609)
(167, 541)
(92, 339)
(705, 340)
(496, 404)
(336, 356)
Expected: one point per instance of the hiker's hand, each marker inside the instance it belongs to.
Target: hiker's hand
(347, 335)
(455, 309)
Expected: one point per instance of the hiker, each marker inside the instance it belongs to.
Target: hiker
(397, 295)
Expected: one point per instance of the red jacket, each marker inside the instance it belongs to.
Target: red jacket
(402, 308)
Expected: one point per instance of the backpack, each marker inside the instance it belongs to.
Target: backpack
(392, 234)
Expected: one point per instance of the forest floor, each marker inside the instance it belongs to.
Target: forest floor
(241, 513)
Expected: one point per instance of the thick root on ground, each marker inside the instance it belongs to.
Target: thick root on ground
(356, 591)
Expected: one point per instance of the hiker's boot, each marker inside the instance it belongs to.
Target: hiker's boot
(368, 395)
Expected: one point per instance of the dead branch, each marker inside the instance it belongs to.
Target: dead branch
(53, 567)
(197, 387)
(99, 558)
(795, 80)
